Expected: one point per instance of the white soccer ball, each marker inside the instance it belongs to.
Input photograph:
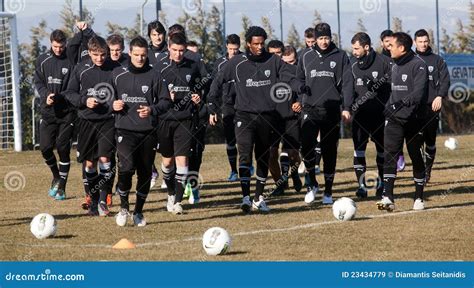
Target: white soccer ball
(344, 209)
(216, 241)
(43, 226)
(451, 143)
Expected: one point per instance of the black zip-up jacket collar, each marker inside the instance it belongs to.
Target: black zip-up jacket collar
(367, 60)
(139, 87)
(89, 80)
(154, 52)
(52, 74)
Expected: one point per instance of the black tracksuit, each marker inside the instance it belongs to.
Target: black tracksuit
(226, 103)
(177, 128)
(371, 75)
(136, 137)
(254, 78)
(329, 83)
(439, 82)
(405, 112)
(52, 74)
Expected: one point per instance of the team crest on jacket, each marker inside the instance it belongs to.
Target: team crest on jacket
(404, 77)
(430, 68)
(332, 64)
(267, 73)
(64, 71)
(188, 77)
(145, 88)
(239, 124)
(375, 74)
(119, 139)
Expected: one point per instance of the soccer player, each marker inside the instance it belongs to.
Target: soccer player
(226, 103)
(116, 47)
(90, 91)
(309, 38)
(288, 129)
(371, 91)
(385, 40)
(405, 112)
(276, 47)
(141, 95)
(158, 45)
(254, 74)
(439, 82)
(324, 71)
(52, 73)
(175, 128)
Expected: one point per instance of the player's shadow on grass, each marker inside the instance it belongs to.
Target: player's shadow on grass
(69, 236)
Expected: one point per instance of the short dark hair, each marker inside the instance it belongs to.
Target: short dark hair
(276, 44)
(361, 37)
(386, 33)
(403, 39)
(309, 32)
(97, 43)
(58, 36)
(192, 44)
(233, 39)
(157, 26)
(176, 28)
(289, 50)
(115, 39)
(422, 33)
(138, 41)
(255, 31)
(178, 39)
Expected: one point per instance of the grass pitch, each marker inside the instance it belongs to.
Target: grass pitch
(291, 231)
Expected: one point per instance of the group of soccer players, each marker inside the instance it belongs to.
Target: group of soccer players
(158, 97)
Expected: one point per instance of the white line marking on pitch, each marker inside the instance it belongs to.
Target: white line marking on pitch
(275, 230)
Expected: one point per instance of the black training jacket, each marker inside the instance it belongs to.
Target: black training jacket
(328, 76)
(52, 75)
(89, 80)
(438, 75)
(254, 82)
(137, 87)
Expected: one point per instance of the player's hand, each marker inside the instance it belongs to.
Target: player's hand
(144, 111)
(50, 99)
(437, 103)
(91, 103)
(213, 119)
(118, 105)
(196, 98)
(81, 25)
(346, 116)
(296, 107)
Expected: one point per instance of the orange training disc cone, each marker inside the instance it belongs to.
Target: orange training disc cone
(124, 244)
